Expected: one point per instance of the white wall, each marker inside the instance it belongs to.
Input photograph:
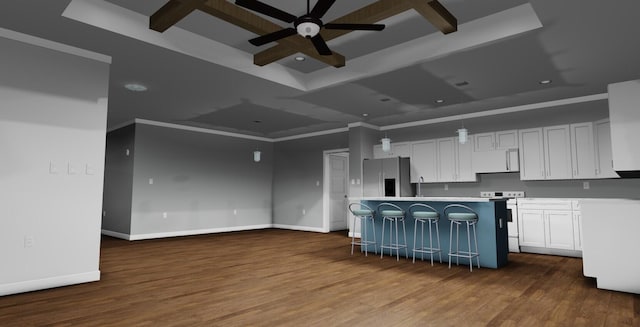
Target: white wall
(53, 112)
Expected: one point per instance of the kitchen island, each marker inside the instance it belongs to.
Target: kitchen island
(491, 228)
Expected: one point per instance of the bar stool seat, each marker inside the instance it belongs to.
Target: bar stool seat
(363, 213)
(462, 215)
(422, 217)
(394, 215)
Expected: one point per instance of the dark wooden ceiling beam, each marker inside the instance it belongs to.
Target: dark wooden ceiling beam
(246, 19)
(436, 14)
(171, 13)
(370, 14)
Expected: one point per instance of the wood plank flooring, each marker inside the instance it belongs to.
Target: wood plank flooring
(288, 278)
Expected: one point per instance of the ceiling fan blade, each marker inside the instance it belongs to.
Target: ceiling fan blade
(321, 8)
(271, 37)
(320, 45)
(362, 27)
(264, 8)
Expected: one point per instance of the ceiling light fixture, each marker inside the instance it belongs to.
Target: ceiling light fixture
(365, 115)
(300, 58)
(439, 101)
(386, 143)
(135, 87)
(463, 134)
(545, 81)
(256, 155)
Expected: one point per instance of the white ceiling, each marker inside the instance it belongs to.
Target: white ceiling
(582, 45)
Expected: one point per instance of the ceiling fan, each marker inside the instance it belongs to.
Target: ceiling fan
(307, 25)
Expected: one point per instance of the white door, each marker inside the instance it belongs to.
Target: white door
(338, 184)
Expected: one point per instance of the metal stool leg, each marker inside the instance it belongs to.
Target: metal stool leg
(353, 234)
(397, 241)
(430, 243)
(363, 237)
(384, 220)
(469, 246)
(406, 248)
(475, 238)
(438, 238)
(415, 231)
(450, 242)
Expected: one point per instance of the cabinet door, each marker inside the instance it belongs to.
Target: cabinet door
(577, 230)
(484, 141)
(401, 150)
(447, 159)
(531, 227)
(604, 160)
(557, 154)
(506, 140)
(423, 161)
(583, 159)
(531, 154)
(378, 153)
(465, 162)
(559, 229)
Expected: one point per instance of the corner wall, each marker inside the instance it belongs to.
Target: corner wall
(52, 139)
(297, 180)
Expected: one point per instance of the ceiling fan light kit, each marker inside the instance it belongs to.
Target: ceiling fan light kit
(308, 26)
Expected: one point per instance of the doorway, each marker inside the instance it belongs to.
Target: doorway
(336, 190)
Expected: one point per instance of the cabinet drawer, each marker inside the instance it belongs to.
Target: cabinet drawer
(546, 205)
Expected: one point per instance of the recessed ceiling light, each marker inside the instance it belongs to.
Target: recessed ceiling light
(439, 101)
(463, 83)
(300, 58)
(365, 115)
(385, 99)
(135, 87)
(257, 121)
(545, 81)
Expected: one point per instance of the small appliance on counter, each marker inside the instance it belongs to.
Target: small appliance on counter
(512, 214)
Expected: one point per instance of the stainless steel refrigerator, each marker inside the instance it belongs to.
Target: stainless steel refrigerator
(388, 177)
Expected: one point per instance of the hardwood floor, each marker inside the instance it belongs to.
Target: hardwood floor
(288, 278)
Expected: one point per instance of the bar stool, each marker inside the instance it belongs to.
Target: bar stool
(425, 214)
(394, 214)
(363, 213)
(457, 218)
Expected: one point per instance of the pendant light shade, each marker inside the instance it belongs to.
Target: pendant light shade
(462, 135)
(256, 155)
(386, 144)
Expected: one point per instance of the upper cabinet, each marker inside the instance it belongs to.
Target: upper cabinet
(583, 159)
(397, 150)
(502, 140)
(495, 152)
(545, 153)
(442, 160)
(604, 160)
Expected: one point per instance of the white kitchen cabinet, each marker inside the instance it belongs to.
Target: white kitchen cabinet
(465, 162)
(397, 150)
(454, 160)
(551, 226)
(559, 229)
(604, 160)
(545, 153)
(532, 229)
(424, 161)
(502, 140)
(495, 161)
(583, 160)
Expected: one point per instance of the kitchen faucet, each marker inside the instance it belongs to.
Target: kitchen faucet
(420, 180)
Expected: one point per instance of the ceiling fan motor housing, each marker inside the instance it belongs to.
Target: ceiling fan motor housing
(308, 26)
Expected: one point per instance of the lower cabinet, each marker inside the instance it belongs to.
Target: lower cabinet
(550, 226)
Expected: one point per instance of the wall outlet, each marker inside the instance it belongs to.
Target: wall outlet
(127, 152)
(89, 169)
(585, 185)
(104, 213)
(53, 168)
(71, 169)
(29, 241)
(446, 187)
(235, 212)
(164, 215)
(304, 212)
(150, 181)
(358, 181)
(317, 183)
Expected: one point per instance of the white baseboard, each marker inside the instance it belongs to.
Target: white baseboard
(137, 237)
(300, 228)
(51, 282)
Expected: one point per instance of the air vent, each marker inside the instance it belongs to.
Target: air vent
(463, 83)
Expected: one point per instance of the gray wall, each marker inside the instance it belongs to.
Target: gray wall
(199, 180)
(118, 180)
(361, 142)
(297, 170)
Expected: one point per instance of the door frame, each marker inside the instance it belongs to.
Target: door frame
(326, 177)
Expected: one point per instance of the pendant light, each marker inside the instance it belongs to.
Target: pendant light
(256, 155)
(463, 134)
(386, 143)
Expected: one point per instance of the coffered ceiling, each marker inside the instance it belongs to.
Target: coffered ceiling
(200, 72)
